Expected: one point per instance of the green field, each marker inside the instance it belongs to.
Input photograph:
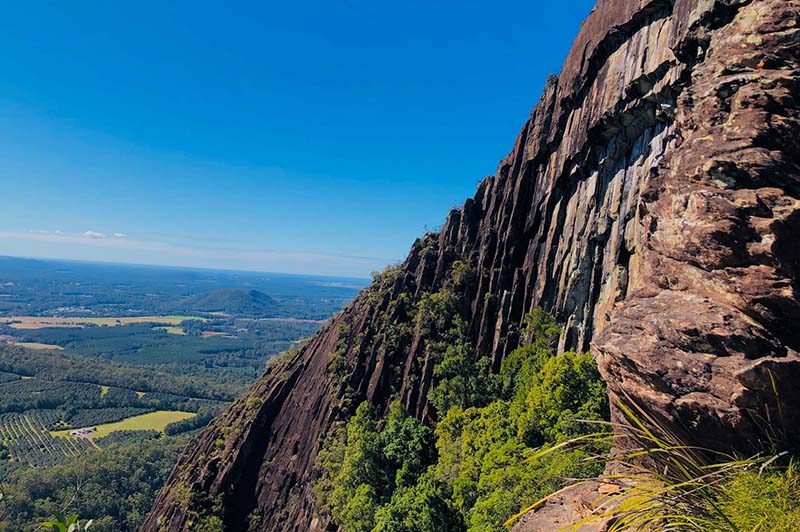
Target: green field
(172, 330)
(153, 421)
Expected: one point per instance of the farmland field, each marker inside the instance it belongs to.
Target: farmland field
(46, 322)
(57, 399)
(151, 421)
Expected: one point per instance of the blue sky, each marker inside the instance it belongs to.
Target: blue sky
(303, 137)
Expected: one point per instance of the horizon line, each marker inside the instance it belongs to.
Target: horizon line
(179, 267)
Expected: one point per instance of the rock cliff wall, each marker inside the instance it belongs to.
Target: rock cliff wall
(651, 202)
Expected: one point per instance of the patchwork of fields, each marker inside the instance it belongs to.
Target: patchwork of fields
(143, 356)
(55, 378)
(74, 354)
(37, 414)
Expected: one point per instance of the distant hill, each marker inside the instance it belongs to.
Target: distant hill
(231, 301)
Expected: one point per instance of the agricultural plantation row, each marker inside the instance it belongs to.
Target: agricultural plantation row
(83, 404)
(36, 438)
(26, 440)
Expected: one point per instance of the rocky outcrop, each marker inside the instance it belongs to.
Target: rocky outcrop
(651, 202)
(710, 318)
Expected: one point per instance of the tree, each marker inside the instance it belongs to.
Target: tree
(407, 446)
(423, 507)
(567, 390)
(361, 466)
(462, 380)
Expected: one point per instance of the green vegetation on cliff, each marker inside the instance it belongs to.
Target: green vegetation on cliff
(475, 467)
(500, 442)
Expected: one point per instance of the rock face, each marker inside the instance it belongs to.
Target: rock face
(651, 202)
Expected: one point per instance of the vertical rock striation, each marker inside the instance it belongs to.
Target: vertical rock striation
(651, 202)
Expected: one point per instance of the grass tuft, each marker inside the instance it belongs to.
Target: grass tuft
(664, 484)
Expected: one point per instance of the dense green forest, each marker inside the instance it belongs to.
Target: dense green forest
(114, 485)
(58, 366)
(19, 395)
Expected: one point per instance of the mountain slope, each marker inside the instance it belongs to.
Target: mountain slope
(651, 202)
(231, 301)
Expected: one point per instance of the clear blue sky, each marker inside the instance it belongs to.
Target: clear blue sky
(308, 137)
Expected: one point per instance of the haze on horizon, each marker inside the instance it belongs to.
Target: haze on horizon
(320, 138)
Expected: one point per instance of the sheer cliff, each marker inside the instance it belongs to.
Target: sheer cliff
(651, 202)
